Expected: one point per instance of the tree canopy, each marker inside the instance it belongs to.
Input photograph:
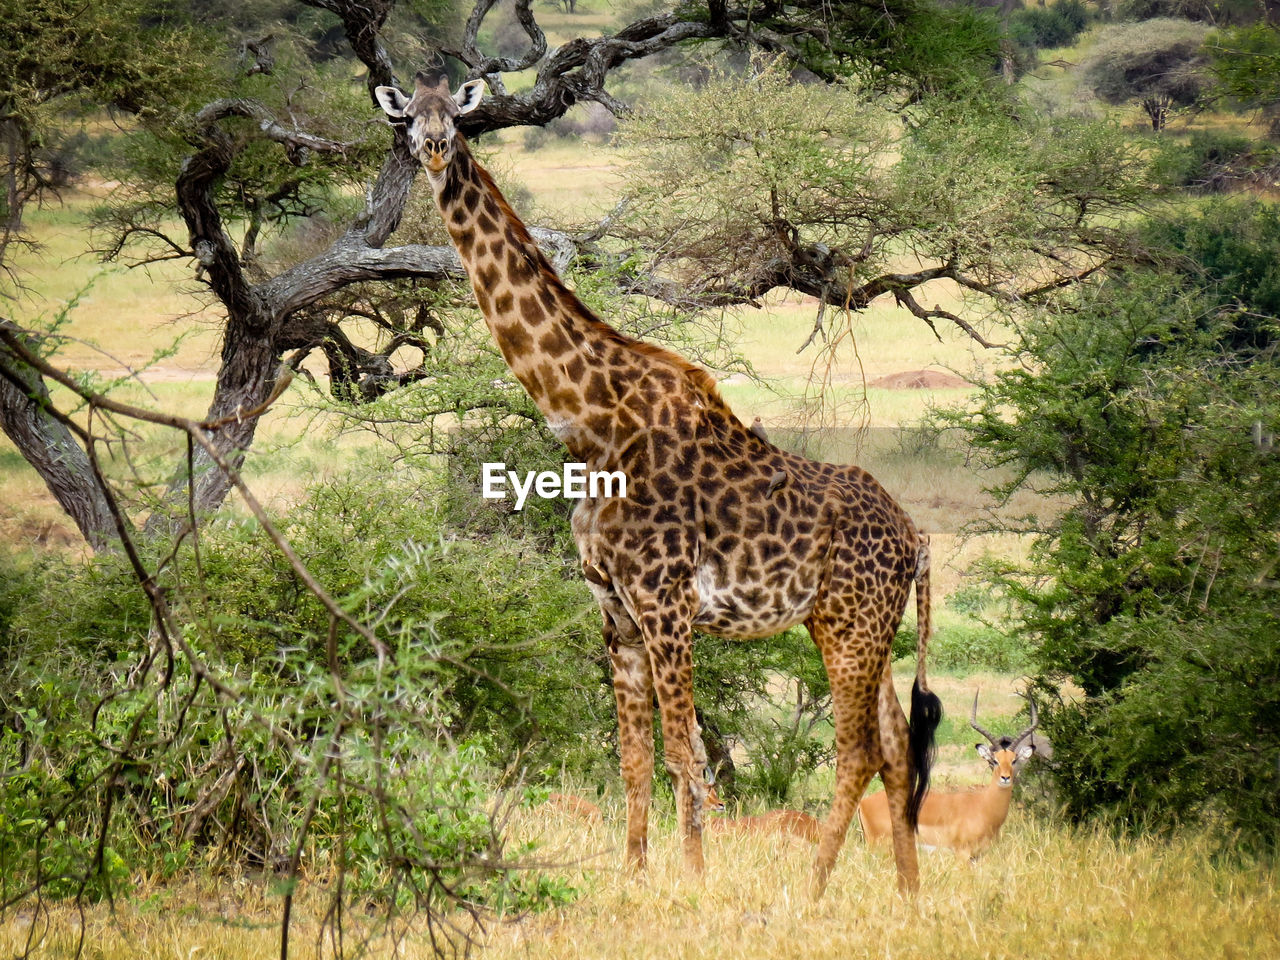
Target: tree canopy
(752, 183)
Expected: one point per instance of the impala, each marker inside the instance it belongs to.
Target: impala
(582, 809)
(967, 822)
(575, 806)
(791, 822)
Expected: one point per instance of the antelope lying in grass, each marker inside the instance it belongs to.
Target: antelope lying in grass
(969, 821)
(582, 809)
(575, 806)
(790, 822)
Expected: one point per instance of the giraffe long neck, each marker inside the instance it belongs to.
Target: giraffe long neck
(553, 344)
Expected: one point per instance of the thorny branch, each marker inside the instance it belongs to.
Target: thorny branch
(200, 431)
(171, 644)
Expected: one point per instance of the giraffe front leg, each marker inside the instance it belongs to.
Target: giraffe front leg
(671, 660)
(633, 692)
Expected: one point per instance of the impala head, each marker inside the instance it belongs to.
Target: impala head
(430, 114)
(712, 802)
(1003, 752)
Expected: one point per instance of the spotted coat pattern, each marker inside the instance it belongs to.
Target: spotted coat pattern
(720, 530)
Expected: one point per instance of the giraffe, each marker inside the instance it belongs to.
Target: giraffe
(720, 530)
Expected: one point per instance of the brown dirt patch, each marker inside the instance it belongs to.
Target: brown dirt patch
(920, 380)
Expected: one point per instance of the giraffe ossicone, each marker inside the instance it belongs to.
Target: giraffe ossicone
(719, 529)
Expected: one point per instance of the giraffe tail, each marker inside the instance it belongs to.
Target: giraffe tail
(926, 708)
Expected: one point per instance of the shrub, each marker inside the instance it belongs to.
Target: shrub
(1212, 162)
(1146, 406)
(966, 643)
(1233, 250)
(1044, 27)
(271, 710)
(1219, 12)
(1074, 12)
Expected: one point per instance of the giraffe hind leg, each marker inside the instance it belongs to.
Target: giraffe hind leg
(896, 772)
(854, 699)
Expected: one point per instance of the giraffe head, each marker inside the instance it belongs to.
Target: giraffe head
(429, 114)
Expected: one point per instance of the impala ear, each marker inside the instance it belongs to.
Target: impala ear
(392, 101)
(1026, 750)
(984, 751)
(469, 95)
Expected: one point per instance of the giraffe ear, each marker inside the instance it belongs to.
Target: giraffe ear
(392, 101)
(468, 96)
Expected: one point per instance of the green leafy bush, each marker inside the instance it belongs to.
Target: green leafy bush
(770, 695)
(965, 643)
(1212, 162)
(1220, 12)
(1147, 406)
(1233, 249)
(1043, 27)
(275, 733)
(1245, 63)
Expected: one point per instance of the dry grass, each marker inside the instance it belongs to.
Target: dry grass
(569, 181)
(1042, 891)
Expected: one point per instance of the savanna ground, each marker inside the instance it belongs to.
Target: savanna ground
(1045, 888)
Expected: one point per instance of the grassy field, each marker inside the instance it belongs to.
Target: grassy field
(1044, 889)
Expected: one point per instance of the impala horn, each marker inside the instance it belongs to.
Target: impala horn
(1035, 719)
(973, 722)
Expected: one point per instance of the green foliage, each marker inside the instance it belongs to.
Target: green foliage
(59, 62)
(131, 54)
(1219, 12)
(266, 187)
(1159, 57)
(1193, 737)
(966, 643)
(1044, 27)
(732, 180)
(1211, 162)
(525, 667)
(937, 51)
(909, 48)
(1232, 249)
(1146, 407)
(781, 751)
(270, 710)
(972, 645)
(772, 696)
(1245, 62)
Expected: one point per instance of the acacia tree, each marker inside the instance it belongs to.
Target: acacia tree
(265, 154)
(755, 183)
